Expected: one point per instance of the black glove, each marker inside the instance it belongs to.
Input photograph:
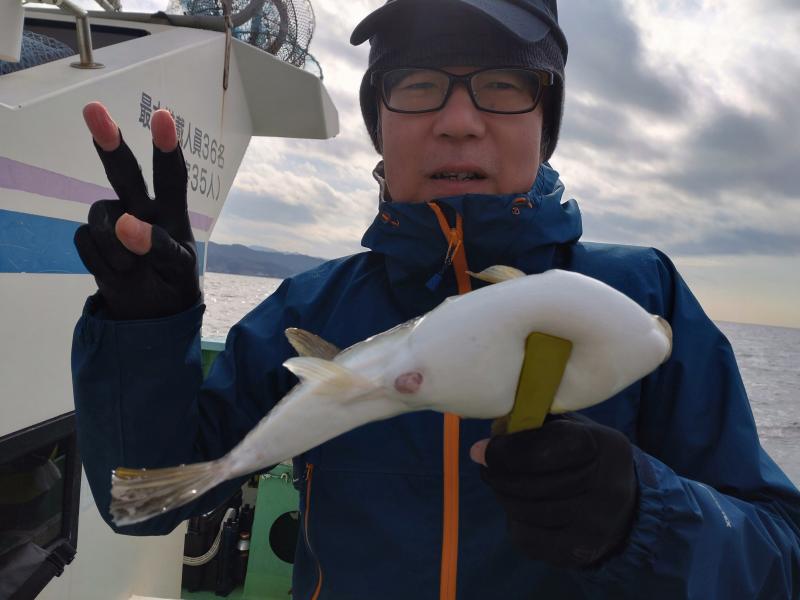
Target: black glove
(569, 489)
(165, 280)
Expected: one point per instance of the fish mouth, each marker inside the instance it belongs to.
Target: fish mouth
(667, 328)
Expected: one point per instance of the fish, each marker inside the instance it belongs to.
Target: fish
(464, 357)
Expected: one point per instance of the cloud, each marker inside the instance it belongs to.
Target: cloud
(790, 6)
(255, 206)
(606, 127)
(678, 236)
(607, 59)
(717, 175)
(753, 149)
(740, 241)
(300, 196)
(737, 151)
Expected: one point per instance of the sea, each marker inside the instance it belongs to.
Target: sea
(768, 358)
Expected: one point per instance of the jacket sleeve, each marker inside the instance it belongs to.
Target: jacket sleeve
(717, 518)
(141, 401)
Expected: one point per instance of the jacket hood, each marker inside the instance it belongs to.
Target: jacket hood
(518, 230)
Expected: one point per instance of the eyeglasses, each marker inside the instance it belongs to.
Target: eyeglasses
(503, 91)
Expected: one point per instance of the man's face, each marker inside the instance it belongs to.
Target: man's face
(459, 138)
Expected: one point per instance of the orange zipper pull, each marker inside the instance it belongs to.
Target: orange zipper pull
(453, 245)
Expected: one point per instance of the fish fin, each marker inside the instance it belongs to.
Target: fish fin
(497, 273)
(330, 378)
(306, 343)
(141, 494)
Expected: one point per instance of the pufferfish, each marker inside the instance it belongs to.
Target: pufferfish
(464, 357)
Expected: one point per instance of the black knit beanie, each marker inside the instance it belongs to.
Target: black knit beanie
(440, 36)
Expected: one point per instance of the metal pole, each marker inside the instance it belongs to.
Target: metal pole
(82, 30)
(84, 43)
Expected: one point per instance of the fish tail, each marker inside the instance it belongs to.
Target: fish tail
(140, 494)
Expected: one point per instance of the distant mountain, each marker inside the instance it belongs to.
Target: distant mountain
(266, 249)
(241, 260)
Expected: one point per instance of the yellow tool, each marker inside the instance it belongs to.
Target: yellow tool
(543, 367)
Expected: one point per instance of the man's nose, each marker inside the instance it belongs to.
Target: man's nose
(459, 118)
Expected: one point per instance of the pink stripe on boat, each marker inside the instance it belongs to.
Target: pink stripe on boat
(15, 175)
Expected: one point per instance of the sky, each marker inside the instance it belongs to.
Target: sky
(681, 131)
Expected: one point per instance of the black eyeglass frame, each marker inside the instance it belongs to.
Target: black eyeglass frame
(546, 79)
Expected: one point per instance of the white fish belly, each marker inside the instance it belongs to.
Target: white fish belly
(614, 341)
(303, 420)
(473, 375)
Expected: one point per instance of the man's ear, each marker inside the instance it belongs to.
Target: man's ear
(544, 142)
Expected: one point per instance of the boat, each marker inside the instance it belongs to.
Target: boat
(221, 91)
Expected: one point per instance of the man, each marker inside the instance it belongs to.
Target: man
(661, 492)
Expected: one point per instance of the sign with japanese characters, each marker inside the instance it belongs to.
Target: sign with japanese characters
(204, 155)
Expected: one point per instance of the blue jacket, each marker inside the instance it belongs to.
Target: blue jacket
(716, 517)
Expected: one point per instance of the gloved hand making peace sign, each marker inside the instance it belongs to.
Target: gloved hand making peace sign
(140, 250)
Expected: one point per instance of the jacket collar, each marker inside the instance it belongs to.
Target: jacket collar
(519, 230)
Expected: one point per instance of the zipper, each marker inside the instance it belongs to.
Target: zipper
(456, 258)
(453, 246)
(309, 475)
